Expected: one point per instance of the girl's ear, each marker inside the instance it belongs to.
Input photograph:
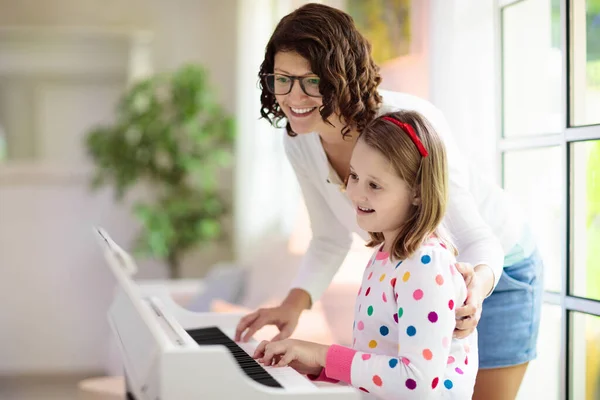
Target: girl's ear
(416, 197)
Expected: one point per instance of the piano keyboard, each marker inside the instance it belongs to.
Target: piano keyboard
(276, 377)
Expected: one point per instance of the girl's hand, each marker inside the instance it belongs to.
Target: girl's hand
(305, 357)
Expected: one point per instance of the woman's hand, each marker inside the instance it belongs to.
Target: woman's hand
(307, 358)
(285, 317)
(467, 316)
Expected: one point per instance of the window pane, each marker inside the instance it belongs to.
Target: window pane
(585, 67)
(532, 68)
(532, 177)
(585, 221)
(546, 367)
(585, 357)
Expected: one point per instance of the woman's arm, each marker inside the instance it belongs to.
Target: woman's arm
(475, 240)
(328, 247)
(473, 237)
(330, 239)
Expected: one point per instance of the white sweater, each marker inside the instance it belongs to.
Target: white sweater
(482, 221)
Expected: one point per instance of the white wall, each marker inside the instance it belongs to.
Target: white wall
(114, 14)
(54, 284)
(204, 32)
(55, 287)
(52, 275)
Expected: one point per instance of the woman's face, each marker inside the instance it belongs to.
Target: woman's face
(300, 109)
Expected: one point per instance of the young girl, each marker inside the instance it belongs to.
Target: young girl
(404, 313)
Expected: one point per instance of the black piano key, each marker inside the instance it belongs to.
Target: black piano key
(214, 336)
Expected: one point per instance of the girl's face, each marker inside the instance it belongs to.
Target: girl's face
(300, 109)
(381, 199)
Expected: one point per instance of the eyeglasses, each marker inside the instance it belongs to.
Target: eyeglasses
(280, 84)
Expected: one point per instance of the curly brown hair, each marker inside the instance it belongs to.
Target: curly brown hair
(338, 54)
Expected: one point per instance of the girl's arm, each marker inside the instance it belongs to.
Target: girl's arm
(330, 241)
(425, 309)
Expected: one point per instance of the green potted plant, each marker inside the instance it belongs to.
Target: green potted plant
(172, 135)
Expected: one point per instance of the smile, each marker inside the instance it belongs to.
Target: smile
(302, 111)
(365, 210)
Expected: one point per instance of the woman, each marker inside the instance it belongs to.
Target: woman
(318, 74)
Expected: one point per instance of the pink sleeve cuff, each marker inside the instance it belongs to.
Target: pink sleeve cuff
(322, 377)
(338, 363)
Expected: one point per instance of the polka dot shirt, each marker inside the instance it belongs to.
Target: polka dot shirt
(404, 318)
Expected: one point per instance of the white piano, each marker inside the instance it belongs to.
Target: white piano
(170, 353)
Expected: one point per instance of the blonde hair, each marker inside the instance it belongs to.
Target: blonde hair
(427, 175)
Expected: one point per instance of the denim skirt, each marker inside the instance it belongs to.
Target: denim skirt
(510, 319)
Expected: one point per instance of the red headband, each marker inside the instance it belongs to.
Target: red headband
(411, 133)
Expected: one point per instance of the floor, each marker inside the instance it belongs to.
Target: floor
(40, 387)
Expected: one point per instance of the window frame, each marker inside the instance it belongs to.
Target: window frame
(570, 135)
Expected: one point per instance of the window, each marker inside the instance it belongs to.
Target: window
(585, 224)
(532, 64)
(585, 356)
(550, 152)
(530, 176)
(48, 102)
(585, 62)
